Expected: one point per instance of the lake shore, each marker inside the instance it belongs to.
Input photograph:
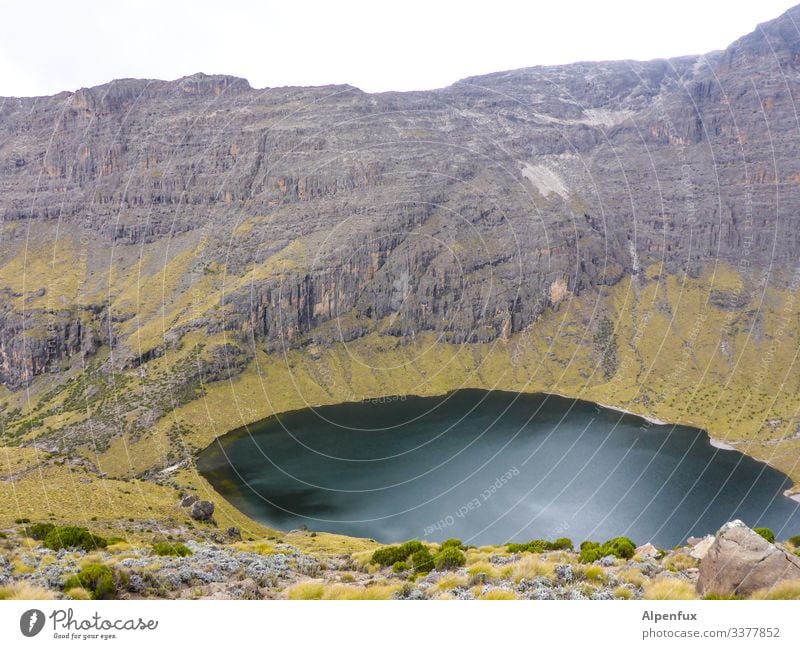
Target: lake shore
(647, 418)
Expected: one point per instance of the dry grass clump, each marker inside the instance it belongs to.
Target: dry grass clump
(632, 576)
(362, 559)
(669, 588)
(678, 561)
(782, 590)
(24, 590)
(595, 573)
(348, 591)
(122, 547)
(306, 590)
(531, 566)
(485, 567)
(259, 547)
(449, 582)
(20, 567)
(78, 593)
(623, 592)
(478, 556)
(498, 594)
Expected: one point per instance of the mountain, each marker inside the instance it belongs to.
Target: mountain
(183, 257)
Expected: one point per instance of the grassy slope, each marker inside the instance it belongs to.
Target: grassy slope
(678, 358)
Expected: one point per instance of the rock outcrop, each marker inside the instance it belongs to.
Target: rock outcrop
(740, 562)
(465, 211)
(202, 510)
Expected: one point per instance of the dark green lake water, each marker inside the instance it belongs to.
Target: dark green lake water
(489, 467)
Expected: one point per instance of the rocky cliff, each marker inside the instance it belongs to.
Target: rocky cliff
(141, 212)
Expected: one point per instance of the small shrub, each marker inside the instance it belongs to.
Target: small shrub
(540, 545)
(391, 554)
(422, 561)
(400, 566)
(620, 547)
(453, 543)
(590, 552)
(449, 558)
(95, 578)
(38, 531)
(22, 521)
(766, 533)
(410, 547)
(165, 549)
(794, 541)
(73, 537)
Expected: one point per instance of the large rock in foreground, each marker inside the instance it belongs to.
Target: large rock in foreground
(740, 562)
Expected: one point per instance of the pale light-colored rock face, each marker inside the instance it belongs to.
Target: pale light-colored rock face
(455, 211)
(701, 548)
(740, 562)
(647, 550)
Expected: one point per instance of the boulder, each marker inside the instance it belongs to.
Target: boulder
(740, 562)
(234, 533)
(202, 510)
(701, 547)
(188, 501)
(648, 550)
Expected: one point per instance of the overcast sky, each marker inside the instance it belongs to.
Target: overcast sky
(51, 45)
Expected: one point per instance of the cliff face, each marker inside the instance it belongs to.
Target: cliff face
(139, 211)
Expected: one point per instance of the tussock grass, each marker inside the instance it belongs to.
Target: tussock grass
(24, 590)
(347, 591)
(78, 593)
(530, 566)
(623, 592)
(258, 547)
(306, 590)
(489, 569)
(123, 547)
(632, 576)
(679, 561)
(595, 573)
(669, 588)
(498, 594)
(362, 559)
(449, 582)
(782, 590)
(478, 556)
(20, 567)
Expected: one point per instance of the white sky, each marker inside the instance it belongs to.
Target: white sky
(51, 45)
